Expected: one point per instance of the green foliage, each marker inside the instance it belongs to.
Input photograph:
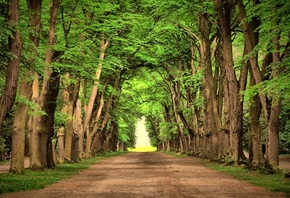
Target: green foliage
(126, 131)
(6, 134)
(3, 148)
(3, 44)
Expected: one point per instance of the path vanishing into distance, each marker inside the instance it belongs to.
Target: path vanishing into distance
(148, 174)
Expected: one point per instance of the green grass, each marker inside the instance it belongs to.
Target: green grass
(273, 182)
(33, 180)
(4, 162)
(177, 154)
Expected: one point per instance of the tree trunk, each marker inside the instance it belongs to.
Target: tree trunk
(14, 43)
(251, 39)
(255, 131)
(70, 94)
(39, 136)
(272, 120)
(18, 135)
(212, 125)
(50, 108)
(19, 122)
(224, 12)
(78, 127)
(91, 134)
(273, 125)
(60, 141)
(94, 92)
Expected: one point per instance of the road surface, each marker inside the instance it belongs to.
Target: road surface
(149, 174)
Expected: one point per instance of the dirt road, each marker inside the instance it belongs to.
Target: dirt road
(148, 175)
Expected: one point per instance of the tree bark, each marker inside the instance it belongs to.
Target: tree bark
(14, 43)
(60, 141)
(250, 41)
(39, 137)
(212, 120)
(223, 9)
(255, 131)
(94, 92)
(106, 116)
(78, 127)
(273, 125)
(19, 122)
(92, 133)
(70, 95)
(50, 108)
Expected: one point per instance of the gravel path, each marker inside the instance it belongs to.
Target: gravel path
(148, 175)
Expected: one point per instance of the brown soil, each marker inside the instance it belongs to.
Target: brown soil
(149, 175)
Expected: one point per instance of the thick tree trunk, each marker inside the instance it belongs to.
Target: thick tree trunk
(272, 111)
(19, 122)
(18, 137)
(255, 131)
(251, 39)
(212, 125)
(96, 121)
(39, 136)
(14, 43)
(70, 97)
(50, 108)
(273, 125)
(224, 12)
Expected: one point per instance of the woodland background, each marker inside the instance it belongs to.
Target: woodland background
(211, 78)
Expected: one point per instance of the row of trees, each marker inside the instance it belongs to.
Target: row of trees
(70, 82)
(227, 74)
(201, 72)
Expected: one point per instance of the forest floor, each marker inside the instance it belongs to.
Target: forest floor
(148, 174)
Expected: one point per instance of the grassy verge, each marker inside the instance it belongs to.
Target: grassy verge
(4, 162)
(33, 180)
(177, 154)
(274, 182)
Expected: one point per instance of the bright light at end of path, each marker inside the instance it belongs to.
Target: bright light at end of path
(143, 141)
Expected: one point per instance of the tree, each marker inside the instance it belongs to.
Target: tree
(13, 66)
(40, 137)
(21, 112)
